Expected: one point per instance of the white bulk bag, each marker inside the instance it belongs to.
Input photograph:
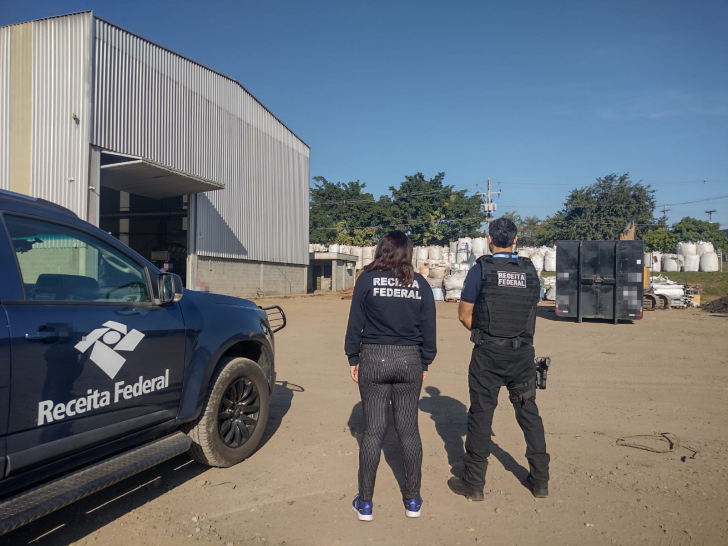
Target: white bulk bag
(669, 262)
(704, 247)
(709, 262)
(692, 263)
(434, 252)
(455, 281)
(549, 260)
(686, 248)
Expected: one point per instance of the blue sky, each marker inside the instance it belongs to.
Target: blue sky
(539, 96)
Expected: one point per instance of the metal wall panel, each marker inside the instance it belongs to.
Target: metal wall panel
(61, 93)
(5, 108)
(152, 103)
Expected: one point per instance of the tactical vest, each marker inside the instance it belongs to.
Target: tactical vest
(509, 292)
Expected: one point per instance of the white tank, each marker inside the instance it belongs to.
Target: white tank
(334, 248)
(704, 247)
(692, 262)
(549, 260)
(368, 253)
(709, 262)
(421, 253)
(434, 252)
(686, 249)
(669, 262)
(453, 247)
(479, 246)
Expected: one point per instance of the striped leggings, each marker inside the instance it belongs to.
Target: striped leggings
(390, 373)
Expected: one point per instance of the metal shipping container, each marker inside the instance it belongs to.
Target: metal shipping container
(599, 279)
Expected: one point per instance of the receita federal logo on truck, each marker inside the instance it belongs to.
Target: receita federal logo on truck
(50, 411)
(106, 342)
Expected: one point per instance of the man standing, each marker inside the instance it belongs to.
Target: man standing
(498, 306)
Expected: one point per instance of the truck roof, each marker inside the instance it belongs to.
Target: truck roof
(7, 196)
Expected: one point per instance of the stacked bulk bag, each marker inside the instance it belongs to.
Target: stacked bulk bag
(434, 252)
(549, 260)
(454, 285)
(669, 262)
(479, 246)
(691, 262)
(686, 249)
(709, 262)
(704, 247)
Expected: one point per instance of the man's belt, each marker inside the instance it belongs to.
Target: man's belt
(478, 337)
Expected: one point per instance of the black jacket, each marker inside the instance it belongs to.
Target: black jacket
(384, 313)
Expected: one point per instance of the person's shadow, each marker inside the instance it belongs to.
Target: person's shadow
(451, 422)
(390, 447)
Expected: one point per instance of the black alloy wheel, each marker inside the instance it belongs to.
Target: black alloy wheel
(239, 412)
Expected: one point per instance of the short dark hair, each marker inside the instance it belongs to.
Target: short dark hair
(394, 252)
(503, 232)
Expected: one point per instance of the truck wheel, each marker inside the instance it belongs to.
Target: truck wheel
(234, 414)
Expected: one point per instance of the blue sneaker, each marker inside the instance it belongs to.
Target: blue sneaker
(363, 509)
(412, 507)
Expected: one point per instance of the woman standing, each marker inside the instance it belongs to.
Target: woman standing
(390, 341)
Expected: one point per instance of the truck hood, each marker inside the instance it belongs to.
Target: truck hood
(220, 299)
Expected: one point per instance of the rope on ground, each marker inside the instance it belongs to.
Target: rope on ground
(672, 441)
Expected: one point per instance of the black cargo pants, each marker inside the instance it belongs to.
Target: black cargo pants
(493, 366)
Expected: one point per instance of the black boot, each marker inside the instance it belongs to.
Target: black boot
(460, 487)
(540, 491)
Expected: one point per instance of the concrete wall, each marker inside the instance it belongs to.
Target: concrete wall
(249, 279)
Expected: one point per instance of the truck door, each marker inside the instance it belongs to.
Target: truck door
(10, 289)
(93, 358)
(4, 385)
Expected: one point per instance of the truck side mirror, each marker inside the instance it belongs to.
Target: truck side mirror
(170, 288)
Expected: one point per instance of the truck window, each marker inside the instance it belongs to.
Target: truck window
(60, 263)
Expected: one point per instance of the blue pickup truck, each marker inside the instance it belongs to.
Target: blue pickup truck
(109, 366)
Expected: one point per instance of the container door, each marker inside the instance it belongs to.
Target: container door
(567, 278)
(630, 276)
(598, 279)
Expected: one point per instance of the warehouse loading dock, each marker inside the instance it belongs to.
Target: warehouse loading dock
(331, 271)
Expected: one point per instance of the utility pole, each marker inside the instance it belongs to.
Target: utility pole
(664, 214)
(488, 207)
(710, 215)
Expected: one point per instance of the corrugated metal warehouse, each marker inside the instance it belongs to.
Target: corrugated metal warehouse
(176, 160)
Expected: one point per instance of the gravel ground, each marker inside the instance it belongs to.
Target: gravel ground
(665, 373)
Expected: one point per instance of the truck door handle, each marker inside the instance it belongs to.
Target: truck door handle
(41, 336)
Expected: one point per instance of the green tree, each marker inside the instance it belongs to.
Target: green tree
(431, 212)
(529, 229)
(335, 217)
(660, 240)
(690, 229)
(601, 211)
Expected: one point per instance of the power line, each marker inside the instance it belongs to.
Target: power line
(696, 201)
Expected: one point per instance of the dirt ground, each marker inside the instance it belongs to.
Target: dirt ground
(665, 373)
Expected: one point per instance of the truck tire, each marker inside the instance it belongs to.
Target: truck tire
(234, 414)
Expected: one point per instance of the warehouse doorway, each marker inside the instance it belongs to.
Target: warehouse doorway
(147, 207)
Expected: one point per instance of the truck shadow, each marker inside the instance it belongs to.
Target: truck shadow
(280, 403)
(79, 520)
